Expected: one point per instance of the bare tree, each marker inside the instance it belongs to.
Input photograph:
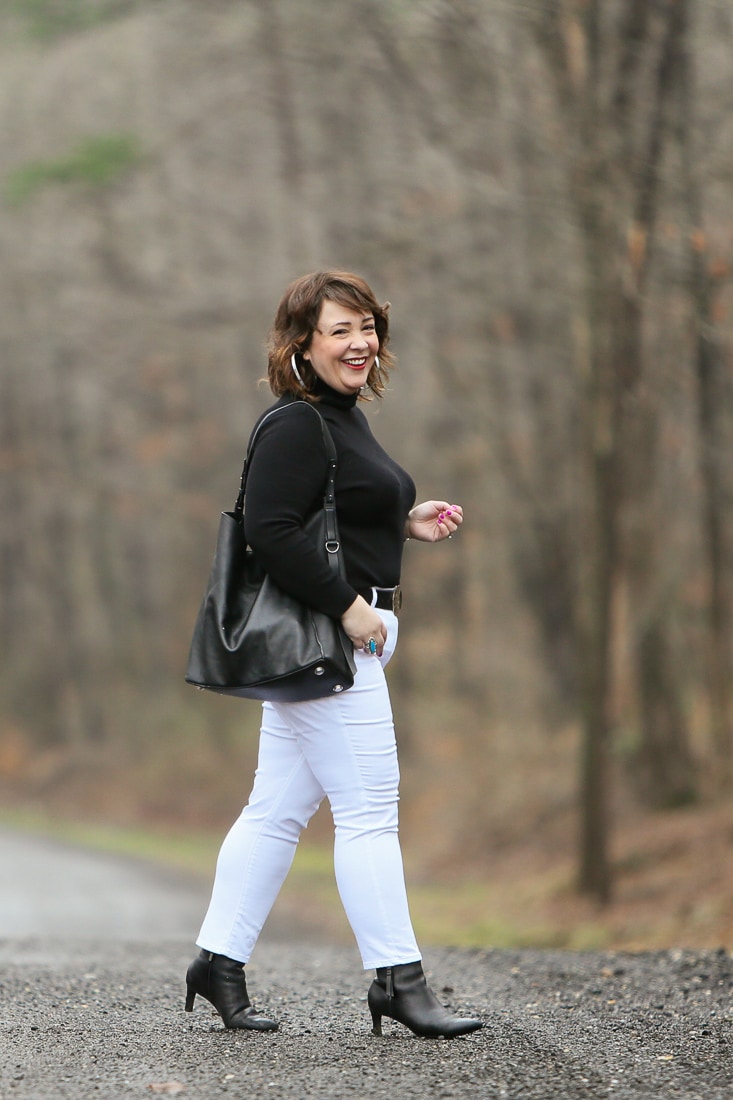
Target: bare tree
(709, 273)
(612, 66)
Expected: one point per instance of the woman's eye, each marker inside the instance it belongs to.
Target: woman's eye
(340, 332)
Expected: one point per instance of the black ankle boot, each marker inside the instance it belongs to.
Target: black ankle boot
(402, 993)
(221, 981)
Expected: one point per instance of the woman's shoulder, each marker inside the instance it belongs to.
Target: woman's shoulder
(289, 427)
(287, 415)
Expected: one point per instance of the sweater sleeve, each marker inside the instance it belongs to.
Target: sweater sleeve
(285, 485)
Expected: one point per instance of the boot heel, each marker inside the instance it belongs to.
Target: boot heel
(376, 1022)
(190, 998)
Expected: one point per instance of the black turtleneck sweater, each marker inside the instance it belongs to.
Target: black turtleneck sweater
(285, 484)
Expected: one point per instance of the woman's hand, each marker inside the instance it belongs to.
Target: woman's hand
(433, 521)
(362, 624)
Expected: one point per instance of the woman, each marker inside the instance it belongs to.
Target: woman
(328, 347)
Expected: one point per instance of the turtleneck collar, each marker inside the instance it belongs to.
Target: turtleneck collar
(332, 397)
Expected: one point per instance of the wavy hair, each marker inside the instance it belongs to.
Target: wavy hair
(297, 318)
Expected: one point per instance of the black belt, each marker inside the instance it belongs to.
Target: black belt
(388, 599)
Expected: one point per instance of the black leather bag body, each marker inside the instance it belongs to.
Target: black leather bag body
(253, 640)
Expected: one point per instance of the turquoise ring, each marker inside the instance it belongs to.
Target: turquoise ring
(372, 646)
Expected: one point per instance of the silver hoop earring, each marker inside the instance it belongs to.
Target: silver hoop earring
(378, 367)
(296, 372)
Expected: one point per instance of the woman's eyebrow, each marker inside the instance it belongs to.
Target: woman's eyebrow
(346, 324)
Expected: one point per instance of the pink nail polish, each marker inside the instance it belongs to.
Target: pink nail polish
(449, 513)
(441, 517)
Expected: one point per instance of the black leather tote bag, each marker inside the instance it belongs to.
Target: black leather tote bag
(253, 640)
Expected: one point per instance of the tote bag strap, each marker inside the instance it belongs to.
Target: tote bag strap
(332, 543)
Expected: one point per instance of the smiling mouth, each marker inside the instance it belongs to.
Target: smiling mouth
(356, 363)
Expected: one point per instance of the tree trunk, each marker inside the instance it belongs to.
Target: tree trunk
(664, 767)
(613, 96)
(707, 277)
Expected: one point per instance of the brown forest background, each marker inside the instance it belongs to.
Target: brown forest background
(542, 189)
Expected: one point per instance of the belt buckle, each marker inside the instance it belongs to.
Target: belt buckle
(396, 599)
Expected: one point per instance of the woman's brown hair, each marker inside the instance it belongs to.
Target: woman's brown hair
(297, 318)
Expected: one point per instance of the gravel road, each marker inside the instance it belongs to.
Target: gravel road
(97, 1014)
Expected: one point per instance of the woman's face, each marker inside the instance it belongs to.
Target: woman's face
(343, 348)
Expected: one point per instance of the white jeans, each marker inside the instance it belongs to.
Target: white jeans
(342, 747)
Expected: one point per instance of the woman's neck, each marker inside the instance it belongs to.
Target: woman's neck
(330, 396)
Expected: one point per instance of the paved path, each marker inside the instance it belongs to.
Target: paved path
(49, 888)
(95, 1015)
